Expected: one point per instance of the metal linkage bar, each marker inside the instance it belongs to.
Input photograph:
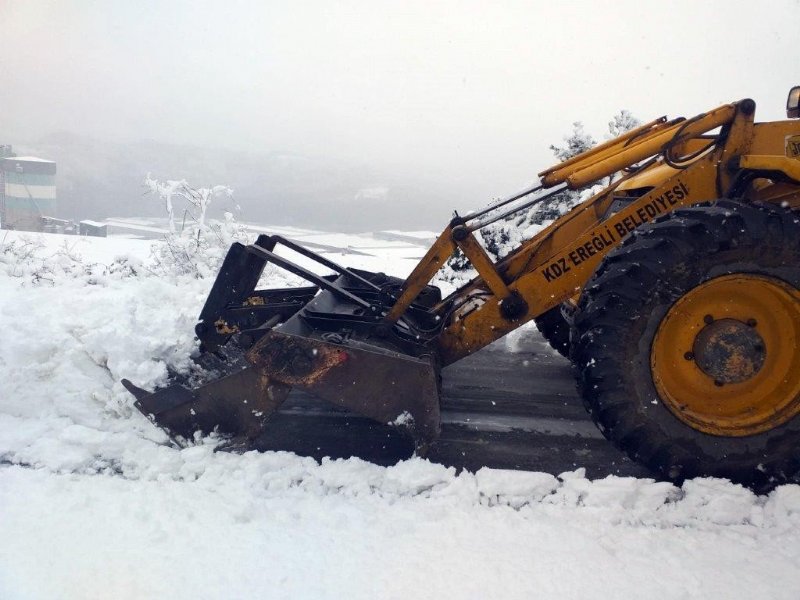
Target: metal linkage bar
(310, 275)
(324, 261)
(515, 209)
(503, 202)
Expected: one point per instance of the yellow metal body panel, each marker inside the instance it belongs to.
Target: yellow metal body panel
(776, 164)
(649, 177)
(772, 138)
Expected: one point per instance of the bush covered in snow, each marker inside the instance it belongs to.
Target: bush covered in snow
(198, 251)
(28, 259)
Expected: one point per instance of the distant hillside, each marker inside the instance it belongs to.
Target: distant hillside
(98, 179)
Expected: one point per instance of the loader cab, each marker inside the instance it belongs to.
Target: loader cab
(637, 186)
(793, 103)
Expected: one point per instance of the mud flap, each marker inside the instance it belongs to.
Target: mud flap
(236, 405)
(379, 383)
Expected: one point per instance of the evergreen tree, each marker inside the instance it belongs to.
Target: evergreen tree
(621, 123)
(575, 143)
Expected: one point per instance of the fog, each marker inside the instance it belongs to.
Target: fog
(358, 115)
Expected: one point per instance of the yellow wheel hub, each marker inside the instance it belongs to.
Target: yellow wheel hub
(725, 359)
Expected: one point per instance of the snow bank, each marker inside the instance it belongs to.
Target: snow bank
(285, 527)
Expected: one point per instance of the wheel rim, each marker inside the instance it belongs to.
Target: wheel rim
(725, 359)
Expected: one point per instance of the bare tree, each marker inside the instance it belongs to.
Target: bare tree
(200, 198)
(167, 190)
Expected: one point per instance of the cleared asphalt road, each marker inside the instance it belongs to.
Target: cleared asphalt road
(502, 409)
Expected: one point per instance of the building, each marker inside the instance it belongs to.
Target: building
(27, 191)
(93, 228)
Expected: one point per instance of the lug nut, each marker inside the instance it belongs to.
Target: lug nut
(718, 383)
(708, 319)
(752, 322)
(689, 356)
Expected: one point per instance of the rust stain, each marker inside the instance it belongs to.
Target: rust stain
(295, 362)
(223, 328)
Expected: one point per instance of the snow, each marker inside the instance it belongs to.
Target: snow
(426, 235)
(28, 159)
(121, 224)
(212, 526)
(95, 504)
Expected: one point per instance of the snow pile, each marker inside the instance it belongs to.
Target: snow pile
(239, 526)
(95, 504)
(77, 334)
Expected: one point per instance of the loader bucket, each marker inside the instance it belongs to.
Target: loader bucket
(381, 384)
(328, 339)
(236, 405)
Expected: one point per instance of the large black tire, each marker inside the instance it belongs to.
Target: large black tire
(620, 312)
(555, 329)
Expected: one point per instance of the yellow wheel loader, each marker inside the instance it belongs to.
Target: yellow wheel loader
(675, 291)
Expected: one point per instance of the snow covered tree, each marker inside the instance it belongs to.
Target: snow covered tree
(196, 250)
(575, 143)
(167, 190)
(621, 122)
(201, 198)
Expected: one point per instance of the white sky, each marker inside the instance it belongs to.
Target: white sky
(474, 91)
